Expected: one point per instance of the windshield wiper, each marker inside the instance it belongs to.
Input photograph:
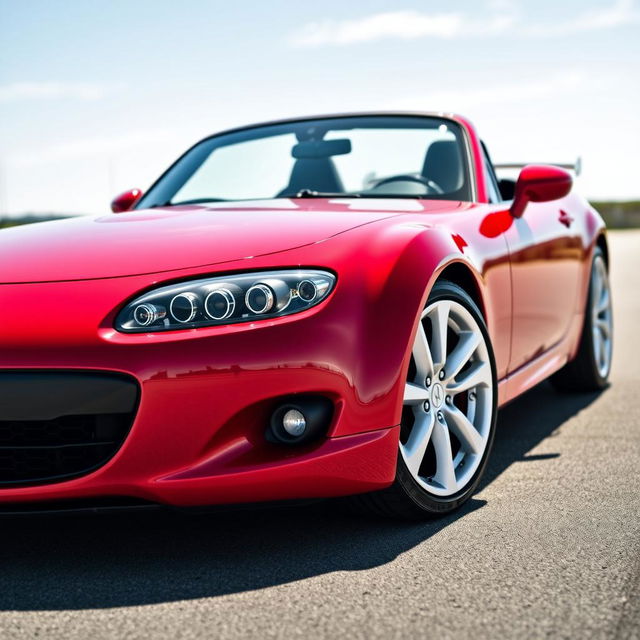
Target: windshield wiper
(310, 193)
(194, 201)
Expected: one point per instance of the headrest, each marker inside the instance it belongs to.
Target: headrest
(443, 165)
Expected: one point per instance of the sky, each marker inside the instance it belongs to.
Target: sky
(96, 98)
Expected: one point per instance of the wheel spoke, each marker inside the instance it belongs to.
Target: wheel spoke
(597, 287)
(414, 394)
(416, 446)
(422, 355)
(604, 328)
(603, 351)
(479, 373)
(468, 435)
(597, 345)
(467, 344)
(445, 473)
(439, 323)
(603, 302)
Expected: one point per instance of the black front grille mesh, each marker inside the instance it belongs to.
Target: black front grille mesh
(32, 451)
(50, 449)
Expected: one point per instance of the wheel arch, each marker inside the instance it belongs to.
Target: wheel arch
(601, 242)
(436, 256)
(460, 273)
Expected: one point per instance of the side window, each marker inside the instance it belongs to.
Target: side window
(492, 182)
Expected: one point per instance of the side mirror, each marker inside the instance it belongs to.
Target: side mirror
(539, 183)
(125, 201)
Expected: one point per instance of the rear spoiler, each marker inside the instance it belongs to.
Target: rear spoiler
(576, 167)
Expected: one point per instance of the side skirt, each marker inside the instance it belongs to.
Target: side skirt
(540, 368)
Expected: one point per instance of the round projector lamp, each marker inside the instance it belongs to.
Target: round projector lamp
(146, 314)
(184, 307)
(259, 299)
(294, 423)
(307, 290)
(220, 304)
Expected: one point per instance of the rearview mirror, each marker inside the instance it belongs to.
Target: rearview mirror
(125, 201)
(315, 149)
(539, 183)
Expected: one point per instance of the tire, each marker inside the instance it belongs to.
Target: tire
(589, 370)
(439, 408)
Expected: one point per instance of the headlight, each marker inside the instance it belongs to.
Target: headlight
(225, 300)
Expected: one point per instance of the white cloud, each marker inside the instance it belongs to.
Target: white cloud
(463, 100)
(392, 24)
(18, 91)
(618, 14)
(412, 24)
(404, 25)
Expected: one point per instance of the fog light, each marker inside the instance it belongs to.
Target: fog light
(294, 422)
(300, 419)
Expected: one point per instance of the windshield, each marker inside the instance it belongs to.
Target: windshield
(356, 156)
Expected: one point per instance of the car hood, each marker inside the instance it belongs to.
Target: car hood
(173, 238)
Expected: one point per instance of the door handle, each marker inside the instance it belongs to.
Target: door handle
(565, 218)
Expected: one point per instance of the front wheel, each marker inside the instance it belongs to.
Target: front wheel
(449, 411)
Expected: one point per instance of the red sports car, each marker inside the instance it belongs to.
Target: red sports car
(307, 308)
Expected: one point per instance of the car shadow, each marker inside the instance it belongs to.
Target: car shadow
(58, 563)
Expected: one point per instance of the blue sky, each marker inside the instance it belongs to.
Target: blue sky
(97, 98)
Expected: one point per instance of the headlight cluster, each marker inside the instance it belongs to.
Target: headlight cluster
(225, 300)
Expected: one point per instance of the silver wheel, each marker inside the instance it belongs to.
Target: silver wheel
(448, 400)
(601, 316)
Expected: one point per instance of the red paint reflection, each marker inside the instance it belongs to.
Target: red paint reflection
(496, 223)
(460, 241)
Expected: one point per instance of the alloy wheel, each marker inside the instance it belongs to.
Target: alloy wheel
(448, 400)
(602, 317)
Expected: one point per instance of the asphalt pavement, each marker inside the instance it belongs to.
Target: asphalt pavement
(549, 546)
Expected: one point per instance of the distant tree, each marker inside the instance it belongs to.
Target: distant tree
(29, 218)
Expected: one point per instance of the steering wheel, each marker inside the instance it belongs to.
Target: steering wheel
(430, 184)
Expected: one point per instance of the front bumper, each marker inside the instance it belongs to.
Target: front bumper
(205, 398)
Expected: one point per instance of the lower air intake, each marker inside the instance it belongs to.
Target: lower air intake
(59, 425)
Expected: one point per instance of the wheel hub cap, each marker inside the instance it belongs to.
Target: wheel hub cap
(437, 395)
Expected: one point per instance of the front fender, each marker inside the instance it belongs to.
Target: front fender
(385, 302)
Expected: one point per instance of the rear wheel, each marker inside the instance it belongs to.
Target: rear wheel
(449, 407)
(589, 370)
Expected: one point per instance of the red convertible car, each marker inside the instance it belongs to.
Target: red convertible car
(307, 308)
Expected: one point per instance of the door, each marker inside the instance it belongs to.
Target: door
(545, 252)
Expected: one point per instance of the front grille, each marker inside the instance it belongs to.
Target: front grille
(54, 426)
